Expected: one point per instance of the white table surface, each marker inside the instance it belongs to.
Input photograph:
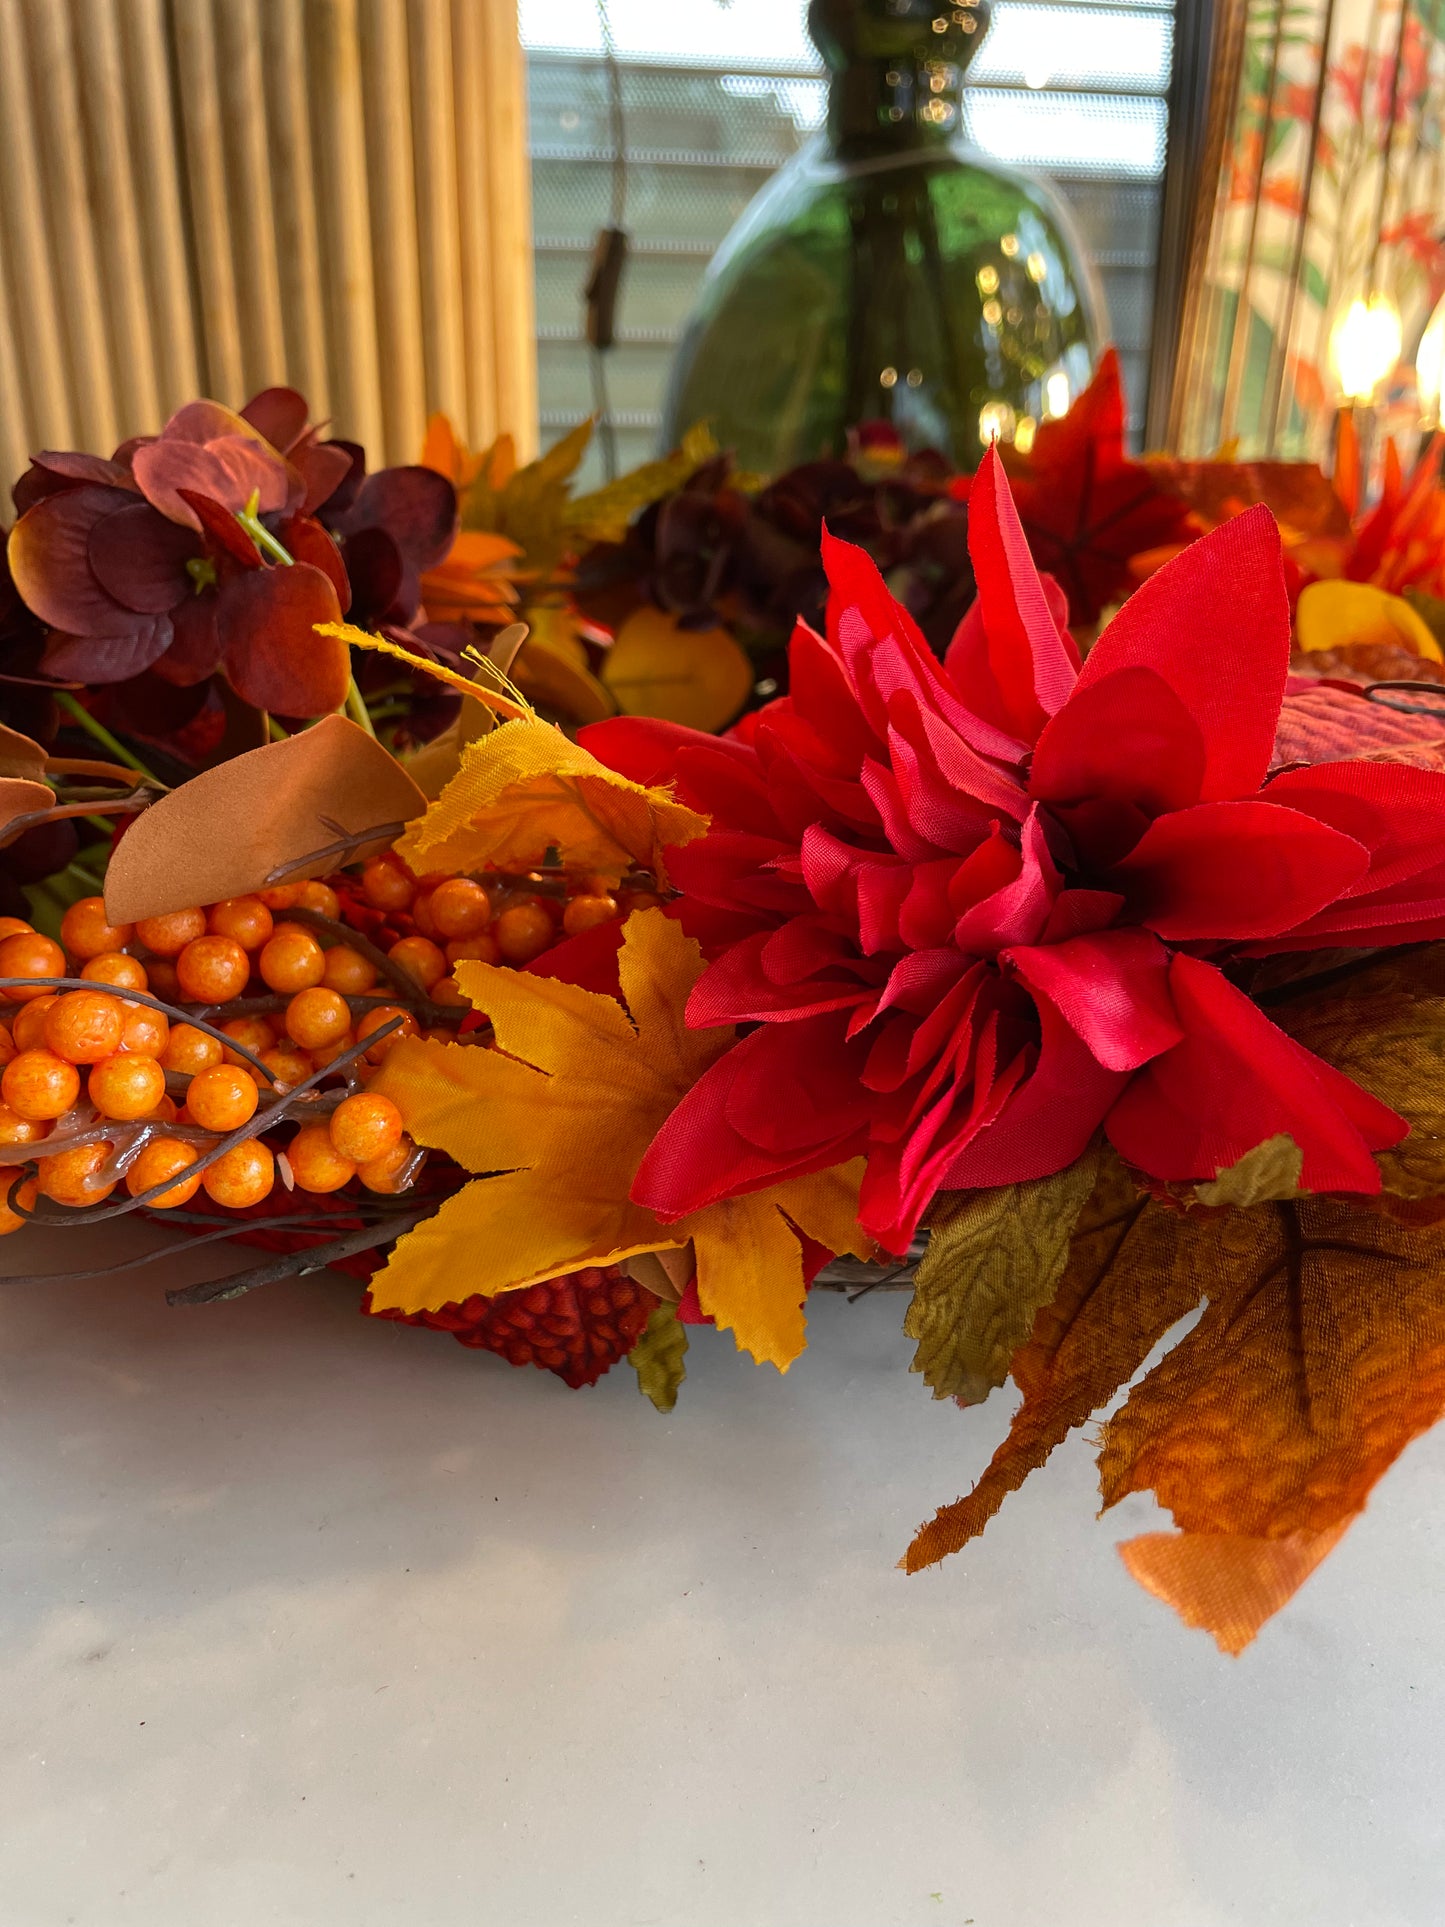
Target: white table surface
(322, 1622)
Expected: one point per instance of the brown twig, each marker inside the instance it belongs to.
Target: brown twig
(379, 832)
(211, 1291)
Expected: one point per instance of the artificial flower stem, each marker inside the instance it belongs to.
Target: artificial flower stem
(357, 710)
(78, 713)
(250, 520)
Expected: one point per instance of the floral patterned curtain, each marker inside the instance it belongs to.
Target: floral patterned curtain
(1331, 192)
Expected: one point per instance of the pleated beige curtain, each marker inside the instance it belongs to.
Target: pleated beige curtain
(208, 196)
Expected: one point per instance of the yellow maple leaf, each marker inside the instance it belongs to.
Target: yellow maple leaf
(526, 788)
(563, 1109)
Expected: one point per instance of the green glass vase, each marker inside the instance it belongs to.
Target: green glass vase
(888, 272)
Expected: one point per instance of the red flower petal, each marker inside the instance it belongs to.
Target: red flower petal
(323, 467)
(1214, 623)
(730, 1133)
(1112, 991)
(1236, 870)
(415, 506)
(306, 541)
(273, 655)
(1082, 755)
(229, 470)
(1398, 813)
(140, 558)
(224, 534)
(195, 653)
(1236, 1080)
(1031, 666)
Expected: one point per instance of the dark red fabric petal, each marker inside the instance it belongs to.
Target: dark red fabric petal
(1397, 812)
(1235, 870)
(280, 414)
(273, 656)
(1234, 1081)
(305, 540)
(1127, 736)
(416, 507)
(195, 652)
(224, 534)
(229, 470)
(107, 659)
(1214, 623)
(140, 558)
(49, 553)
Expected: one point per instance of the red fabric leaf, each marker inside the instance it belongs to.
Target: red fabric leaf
(49, 552)
(140, 558)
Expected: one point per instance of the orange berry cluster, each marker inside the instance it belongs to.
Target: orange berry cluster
(76, 1062)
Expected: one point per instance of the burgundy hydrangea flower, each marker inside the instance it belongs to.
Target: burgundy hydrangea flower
(140, 563)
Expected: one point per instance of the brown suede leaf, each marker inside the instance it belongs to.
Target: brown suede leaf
(1121, 1290)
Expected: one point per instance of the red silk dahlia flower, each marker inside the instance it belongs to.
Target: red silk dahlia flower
(976, 910)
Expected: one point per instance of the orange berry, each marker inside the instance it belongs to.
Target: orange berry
(319, 897)
(293, 960)
(317, 1017)
(315, 1162)
(37, 1084)
(241, 1176)
(450, 995)
(460, 908)
(13, 927)
(213, 970)
(481, 949)
(86, 932)
(12, 1220)
(585, 913)
(348, 971)
(325, 1054)
(165, 1112)
(168, 936)
(287, 1064)
(630, 900)
(189, 1050)
(222, 1098)
(387, 883)
(126, 1086)
(246, 920)
(163, 979)
(365, 1127)
(126, 973)
(146, 1031)
(15, 1129)
(282, 896)
(421, 959)
(7, 1044)
(28, 954)
(253, 1032)
(27, 1026)
(164, 1158)
(383, 1174)
(83, 1026)
(374, 1019)
(421, 912)
(523, 931)
(72, 1177)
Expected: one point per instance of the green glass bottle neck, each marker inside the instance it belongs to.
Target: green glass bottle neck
(886, 105)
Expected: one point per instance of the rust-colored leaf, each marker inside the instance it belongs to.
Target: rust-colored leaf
(1120, 1292)
(232, 828)
(1321, 1355)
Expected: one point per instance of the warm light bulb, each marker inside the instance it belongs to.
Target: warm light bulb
(1430, 365)
(1056, 394)
(1365, 345)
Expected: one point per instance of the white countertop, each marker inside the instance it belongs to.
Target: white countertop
(313, 1621)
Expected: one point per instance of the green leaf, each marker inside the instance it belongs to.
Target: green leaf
(657, 1357)
(1271, 1171)
(994, 1257)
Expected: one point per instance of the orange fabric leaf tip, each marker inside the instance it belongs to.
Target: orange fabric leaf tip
(1226, 1585)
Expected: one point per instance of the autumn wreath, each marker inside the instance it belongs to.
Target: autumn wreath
(1111, 979)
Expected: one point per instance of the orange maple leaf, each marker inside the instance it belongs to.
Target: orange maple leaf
(563, 1109)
